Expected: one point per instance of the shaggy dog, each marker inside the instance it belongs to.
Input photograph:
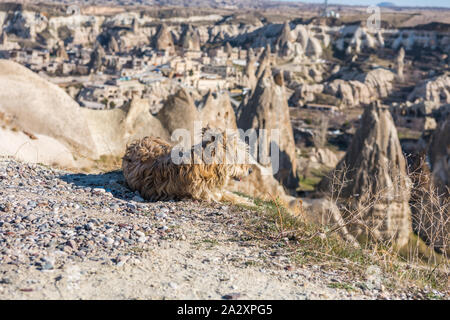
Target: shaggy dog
(149, 168)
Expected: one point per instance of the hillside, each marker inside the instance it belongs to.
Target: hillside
(107, 244)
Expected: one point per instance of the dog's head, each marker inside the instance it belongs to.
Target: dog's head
(226, 148)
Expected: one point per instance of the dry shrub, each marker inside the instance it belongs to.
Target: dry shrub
(425, 257)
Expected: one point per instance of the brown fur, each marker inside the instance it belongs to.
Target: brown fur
(149, 169)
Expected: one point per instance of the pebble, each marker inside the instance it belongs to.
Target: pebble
(131, 206)
(142, 239)
(232, 296)
(140, 234)
(161, 215)
(89, 226)
(138, 199)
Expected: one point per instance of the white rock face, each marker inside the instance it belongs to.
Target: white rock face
(26, 24)
(40, 149)
(217, 111)
(43, 108)
(113, 129)
(364, 89)
(85, 28)
(65, 131)
(179, 111)
(436, 90)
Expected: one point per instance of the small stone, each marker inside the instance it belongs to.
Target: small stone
(140, 234)
(131, 206)
(98, 191)
(108, 240)
(164, 210)
(89, 226)
(232, 296)
(32, 204)
(47, 266)
(71, 243)
(138, 199)
(5, 207)
(161, 215)
(30, 217)
(173, 285)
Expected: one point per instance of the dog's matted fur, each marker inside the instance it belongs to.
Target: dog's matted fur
(148, 168)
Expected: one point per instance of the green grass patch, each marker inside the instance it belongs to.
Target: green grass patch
(341, 285)
(312, 179)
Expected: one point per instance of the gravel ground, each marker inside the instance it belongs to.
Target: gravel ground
(76, 236)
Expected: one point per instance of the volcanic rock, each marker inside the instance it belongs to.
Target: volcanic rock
(372, 181)
(267, 109)
(163, 39)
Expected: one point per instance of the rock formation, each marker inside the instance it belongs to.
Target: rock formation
(264, 61)
(3, 38)
(429, 207)
(364, 89)
(285, 36)
(113, 129)
(61, 53)
(267, 109)
(400, 63)
(347, 91)
(313, 48)
(163, 39)
(217, 111)
(288, 48)
(190, 39)
(372, 182)
(96, 62)
(228, 49)
(179, 112)
(53, 129)
(43, 108)
(439, 155)
(34, 148)
(436, 89)
(113, 46)
(250, 72)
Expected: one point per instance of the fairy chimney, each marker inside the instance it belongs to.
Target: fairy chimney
(267, 109)
(372, 181)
